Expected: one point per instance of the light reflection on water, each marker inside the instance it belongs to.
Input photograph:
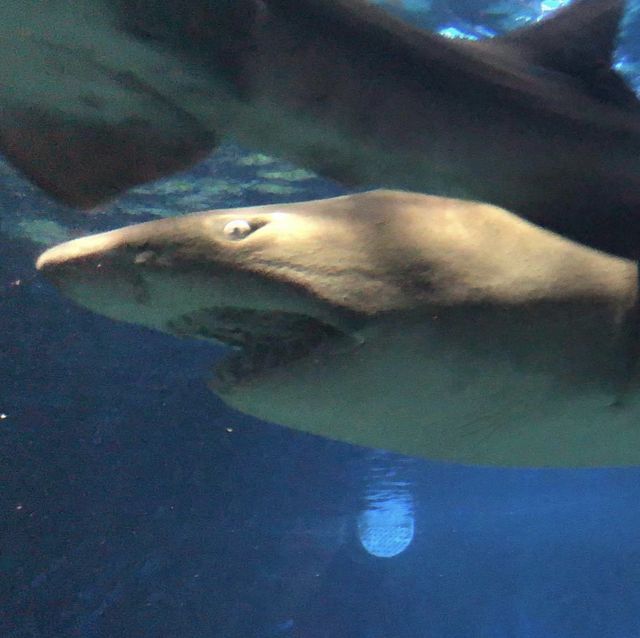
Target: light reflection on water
(386, 523)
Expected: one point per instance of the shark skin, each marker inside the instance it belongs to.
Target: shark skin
(433, 327)
(99, 95)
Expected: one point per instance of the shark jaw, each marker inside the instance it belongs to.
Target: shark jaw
(262, 341)
(259, 337)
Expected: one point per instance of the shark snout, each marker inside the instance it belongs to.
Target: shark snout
(92, 271)
(83, 252)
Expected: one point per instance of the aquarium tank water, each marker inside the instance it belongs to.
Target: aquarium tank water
(135, 504)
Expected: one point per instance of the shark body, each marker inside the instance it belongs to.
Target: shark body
(99, 95)
(428, 326)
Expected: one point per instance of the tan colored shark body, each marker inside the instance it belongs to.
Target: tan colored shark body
(428, 326)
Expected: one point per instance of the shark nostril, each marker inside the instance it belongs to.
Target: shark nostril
(144, 257)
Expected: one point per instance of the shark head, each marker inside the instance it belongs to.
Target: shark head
(279, 284)
(424, 325)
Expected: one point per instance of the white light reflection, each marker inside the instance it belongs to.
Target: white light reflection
(386, 525)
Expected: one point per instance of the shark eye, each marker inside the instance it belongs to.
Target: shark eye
(237, 229)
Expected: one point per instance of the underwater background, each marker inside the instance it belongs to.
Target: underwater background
(133, 503)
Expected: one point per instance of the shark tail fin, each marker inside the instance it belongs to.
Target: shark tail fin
(580, 40)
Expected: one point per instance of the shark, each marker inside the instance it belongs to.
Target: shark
(435, 327)
(97, 96)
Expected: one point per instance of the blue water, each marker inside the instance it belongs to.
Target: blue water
(133, 504)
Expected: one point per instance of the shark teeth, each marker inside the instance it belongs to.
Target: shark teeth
(262, 340)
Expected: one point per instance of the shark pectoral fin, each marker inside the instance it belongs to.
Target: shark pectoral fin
(85, 129)
(579, 40)
(87, 111)
(85, 161)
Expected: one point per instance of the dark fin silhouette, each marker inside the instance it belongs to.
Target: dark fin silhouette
(83, 163)
(579, 40)
(84, 130)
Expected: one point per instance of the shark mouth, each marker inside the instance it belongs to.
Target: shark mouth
(262, 340)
